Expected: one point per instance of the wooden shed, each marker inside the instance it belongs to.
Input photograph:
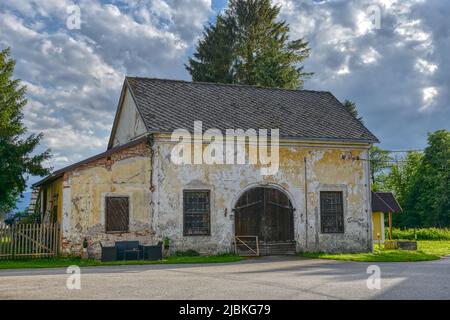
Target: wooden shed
(383, 203)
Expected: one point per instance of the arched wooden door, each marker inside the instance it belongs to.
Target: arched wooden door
(266, 213)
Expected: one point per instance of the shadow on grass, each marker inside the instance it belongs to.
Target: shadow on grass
(61, 262)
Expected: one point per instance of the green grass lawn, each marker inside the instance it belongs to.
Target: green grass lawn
(65, 262)
(426, 251)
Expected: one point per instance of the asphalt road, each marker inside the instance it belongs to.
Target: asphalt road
(261, 278)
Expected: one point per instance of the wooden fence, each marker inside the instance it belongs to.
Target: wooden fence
(29, 241)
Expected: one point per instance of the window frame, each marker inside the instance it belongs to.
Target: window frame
(208, 192)
(106, 214)
(342, 213)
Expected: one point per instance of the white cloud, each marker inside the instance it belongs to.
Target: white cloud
(370, 56)
(391, 73)
(343, 70)
(367, 20)
(74, 76)
(425, 66)
(428, 97)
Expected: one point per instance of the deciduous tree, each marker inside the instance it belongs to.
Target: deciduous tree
(18, 158)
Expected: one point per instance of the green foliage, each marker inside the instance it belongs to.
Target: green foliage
(351, 107)
(427, 250)
(432, 186)
(380, 160)
(422, 234)
(187, 253)
(24, 217)
(225, 254)
(402, 181)
(213, 60)
(85, 243)
(420, 182)
(17, 156)
(166, 242)
(247, 45)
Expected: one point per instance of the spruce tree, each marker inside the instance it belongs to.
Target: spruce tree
(351, 107)
(248, 45)
(213, 61)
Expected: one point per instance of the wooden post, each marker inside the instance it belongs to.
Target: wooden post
(390, 225)
(257, 246)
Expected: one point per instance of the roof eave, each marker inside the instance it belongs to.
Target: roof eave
(292, 138)
(59, 173)
(345, 140)
(116, 116)
(53, 176)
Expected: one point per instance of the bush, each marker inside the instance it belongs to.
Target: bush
(422, 234)
(187, 253)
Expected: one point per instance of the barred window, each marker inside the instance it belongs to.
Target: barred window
(331, 212)
(117, 214)
(196, 212)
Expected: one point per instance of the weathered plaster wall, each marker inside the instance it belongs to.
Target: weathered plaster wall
(130, 124)
(325, 170)
(156, 212)
(126, 173)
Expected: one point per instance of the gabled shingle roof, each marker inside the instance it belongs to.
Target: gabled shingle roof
(385, 202)
(166, 105)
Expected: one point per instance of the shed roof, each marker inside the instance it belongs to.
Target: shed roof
(385, 202)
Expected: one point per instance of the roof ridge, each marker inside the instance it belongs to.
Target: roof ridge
(226, 84)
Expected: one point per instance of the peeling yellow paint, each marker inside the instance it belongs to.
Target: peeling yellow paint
(340, 168)
(53, 199)
(155, 215)
(129, 177)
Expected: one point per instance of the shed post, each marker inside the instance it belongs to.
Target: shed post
(390, 225)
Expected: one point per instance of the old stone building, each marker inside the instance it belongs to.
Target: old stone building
(318, 199)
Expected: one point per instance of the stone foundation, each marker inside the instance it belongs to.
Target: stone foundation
(73, 246)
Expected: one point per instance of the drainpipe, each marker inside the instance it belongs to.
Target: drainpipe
(153, 195)
(306, 205)
(150, 144)
(369, 199)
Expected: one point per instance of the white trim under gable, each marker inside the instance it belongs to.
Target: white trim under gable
(129, 125)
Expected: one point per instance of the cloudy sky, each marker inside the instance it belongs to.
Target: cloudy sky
(397, 72)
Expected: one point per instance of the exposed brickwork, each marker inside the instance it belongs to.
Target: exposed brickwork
(96, 236)
(141, 149)
(85, 208)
